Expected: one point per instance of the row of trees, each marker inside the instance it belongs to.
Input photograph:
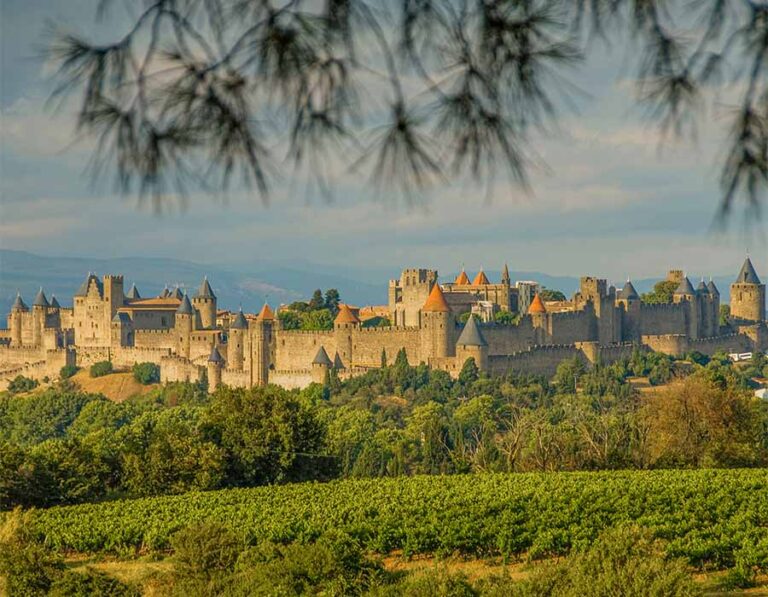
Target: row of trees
(317, 313)
(64, 446)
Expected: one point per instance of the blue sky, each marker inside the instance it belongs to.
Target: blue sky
(609, 203)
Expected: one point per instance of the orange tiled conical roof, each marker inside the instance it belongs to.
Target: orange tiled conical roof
(345, 315)
(537, 306)
(436, 301)
(265, 314)
(462, 279)
(480, 279)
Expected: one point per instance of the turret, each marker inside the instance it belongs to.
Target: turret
(462, 279)
(748, 296)
(714, 295)
(261, 340)
(183, 326)
(133, 293)
(344, 325)
(436, 326)
(538, 314)
(321, 365)
(39, 310)
(237, 334)
(480, 279)
(113, 295)
(685, 293)
(214, 366)
(205, 302)
(471, 343)
(705, 310)
(16, 320)
(630, 301)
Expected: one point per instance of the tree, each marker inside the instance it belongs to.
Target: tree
(317, 301)
(506, 318)
(568, 374)
(725, 314)
(101, 369)
(332, 299)
(469, 372)
(321, 319)
(662, 292)
(146, 373)
(547, 294)
(290, 319)
(190, 84)
(21, 384)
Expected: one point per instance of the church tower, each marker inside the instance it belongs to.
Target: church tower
(748, 296)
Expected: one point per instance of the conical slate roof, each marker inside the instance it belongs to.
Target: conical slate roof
(337, 363)
(462, 279)
(240, 322)
(712, 288)
(747, 275)
(471, 335)
(345, 315)
(702, 287)
(165, 293)
(133, 293)
(321, 358)
(18, 304)
(480, 279)
(436, 302)
(629, 292)
(40, 300)
(205, 290)
(685, 287)
(537, 306)
(215, 356)
(54, 303)
(266, 313)
(185, 307)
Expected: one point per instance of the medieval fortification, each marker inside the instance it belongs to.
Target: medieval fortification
(190, 339)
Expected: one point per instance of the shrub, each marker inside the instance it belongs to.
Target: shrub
(205, 550)
(146, 373)
(101, 368)
(68, 371)
(90, 583)
(22, 384)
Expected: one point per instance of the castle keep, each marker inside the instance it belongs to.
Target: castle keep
(190, 339)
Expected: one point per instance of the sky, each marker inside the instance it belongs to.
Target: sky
(611, 200)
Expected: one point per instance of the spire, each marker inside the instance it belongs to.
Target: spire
(205, 290)
(215, 355)
(165, 293)
(629, 292)
(480, 279)
(321, 358)
(18, 304)
(133, 293)
(537, 306)
(40, 300)
(712, 288)
(185, 307)
(685, 287)
(337, 363)
(471, 335)
(54, 303)
(462, 279)
(265, 314)
(702, 288)
(240, 322)
(345, 315)
(505, 279)
(436, 301)
(748, 275)
(176, 293)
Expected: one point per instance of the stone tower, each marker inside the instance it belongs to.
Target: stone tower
(538, 313)
(261, 341)
(184, 324)
(16, 320)
(39, 310)
(436, 326)
(214, 366)
(748, 296)
(205, 303)
(685, 294)
(238, 332)
(630, 301)
(122, 328)
(407, 295)
(714, 295)
(343, 326)
(471, 343)
(113, 296)
(321, 365)
(706, 306)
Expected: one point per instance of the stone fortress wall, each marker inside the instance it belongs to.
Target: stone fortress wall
(600, 324)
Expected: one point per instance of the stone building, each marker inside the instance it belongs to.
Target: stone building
(191, 339)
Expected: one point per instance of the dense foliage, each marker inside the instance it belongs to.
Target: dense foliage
(21, 384)
(101, 369)
(315, 314)
(146, 373)
(61, 446)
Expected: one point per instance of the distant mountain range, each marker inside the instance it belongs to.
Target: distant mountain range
(234, 285)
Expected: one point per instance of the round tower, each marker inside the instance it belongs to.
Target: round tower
(16, 320)
(261, 341)
(538, 313)
(183, 326)
(748, 296)
(630, 301)
(39, 310)
(472, 344)
(205, 303)
(343, 328)
(686, 295)
(237, 335)
(214, 366)
(436, 326)
(321, 365)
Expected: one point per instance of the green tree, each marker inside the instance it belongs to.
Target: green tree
(67, 371)
(725, 314)
(320, 319)
(506, 318)
(101, 369)
(21, 384)
(568, 374)
(332, 300)
(290, 319)
(662, 292)
(547, 294)
(317, 301)
(469, 372)
(146, 373)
